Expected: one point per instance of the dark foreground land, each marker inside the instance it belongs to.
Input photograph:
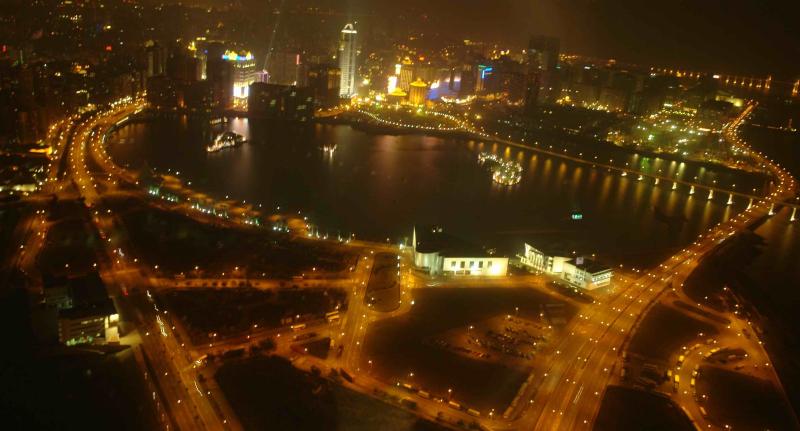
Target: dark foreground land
(402, 345)
(268, 393)
(76, 390)
(743, 401)
(627, 409)
(44, 386)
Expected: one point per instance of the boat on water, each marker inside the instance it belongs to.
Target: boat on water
(225, 140)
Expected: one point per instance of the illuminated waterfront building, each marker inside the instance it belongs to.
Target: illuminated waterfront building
(578, 272)
(391, 84)
(405, 74)
(347, 62)
(441, 254)
(418, 92)
(397, 96)
(244, 74)
(586, 273)
(541, 261)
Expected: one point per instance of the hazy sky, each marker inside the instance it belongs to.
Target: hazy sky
(755, 36)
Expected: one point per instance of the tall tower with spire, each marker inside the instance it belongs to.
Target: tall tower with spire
(347, 61)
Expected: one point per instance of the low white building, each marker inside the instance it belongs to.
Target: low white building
(586, 273)
(578, 272)
(441, 254)
(540, 261)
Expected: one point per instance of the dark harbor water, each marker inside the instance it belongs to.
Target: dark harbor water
(774, 274)
(379, 186)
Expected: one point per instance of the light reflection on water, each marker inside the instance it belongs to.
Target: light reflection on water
(379, 186)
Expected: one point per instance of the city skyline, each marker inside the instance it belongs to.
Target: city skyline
(429, 215)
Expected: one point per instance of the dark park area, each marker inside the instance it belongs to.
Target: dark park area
(71, 244)
(77, 389)
(383, 288)
(233, 311)
(179, 244)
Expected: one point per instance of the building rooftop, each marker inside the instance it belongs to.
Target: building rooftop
(95, 309)
(589, 265)
(432, 239)
(552, 250)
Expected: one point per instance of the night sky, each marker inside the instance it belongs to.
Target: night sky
(739, 36)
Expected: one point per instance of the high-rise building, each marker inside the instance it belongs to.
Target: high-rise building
(467, 80)
(155, 57)
(347, 62)
(283, 67)
(284, 102)
(324, 81)
(220, 74)
(182, 66)
(405, 74)
(542, 75)
(484, 73)
(506, 78)
(244, 74)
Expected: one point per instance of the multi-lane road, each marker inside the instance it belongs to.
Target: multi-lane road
(86, 171)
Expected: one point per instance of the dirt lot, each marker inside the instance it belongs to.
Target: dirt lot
(664, 331)
(400, 346)
(233, 311)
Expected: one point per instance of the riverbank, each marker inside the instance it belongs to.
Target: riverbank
(736, 277)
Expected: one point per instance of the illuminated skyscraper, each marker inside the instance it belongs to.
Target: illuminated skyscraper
(244, 74)
(347, 61)
(405, 74)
